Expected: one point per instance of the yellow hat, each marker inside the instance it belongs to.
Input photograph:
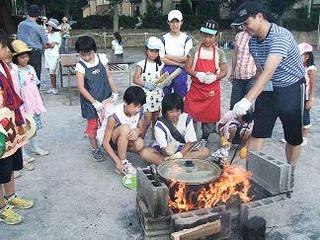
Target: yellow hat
(30, 127)
(20, 47)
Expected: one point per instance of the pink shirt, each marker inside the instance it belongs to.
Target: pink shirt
(245, 65)
(29, 90)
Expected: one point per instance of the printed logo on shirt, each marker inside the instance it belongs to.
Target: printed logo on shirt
(97, 71)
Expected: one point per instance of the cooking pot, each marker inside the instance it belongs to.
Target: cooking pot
(189, 171)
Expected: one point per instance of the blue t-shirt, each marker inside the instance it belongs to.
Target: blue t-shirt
(279, 41)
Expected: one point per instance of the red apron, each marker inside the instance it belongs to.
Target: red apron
(203, 100)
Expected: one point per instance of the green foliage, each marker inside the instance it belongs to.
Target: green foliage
(152, 18)
(185, 7)
(209, 9)
(128, 22)
(301, 22)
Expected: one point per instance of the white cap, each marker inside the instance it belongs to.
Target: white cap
(175, 14)
(154, 43)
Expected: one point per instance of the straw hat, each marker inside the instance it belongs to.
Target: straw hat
(30, 127)
(19, 47)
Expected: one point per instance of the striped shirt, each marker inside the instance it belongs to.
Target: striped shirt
(280, 42)
(245, 65)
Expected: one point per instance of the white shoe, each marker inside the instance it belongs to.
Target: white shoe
(49, 91)
(305, 141)
(17, 174)
(129, 169)
(27, 158)
(28, 166)
(40, 151)
(54, 91)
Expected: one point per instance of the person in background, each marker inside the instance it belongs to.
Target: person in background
(51, 55)
(44, 21)
(117, 45)
(65, 34)
(34, 36)
(174, 52)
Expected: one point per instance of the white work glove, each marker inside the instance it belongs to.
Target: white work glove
(209, 78)
(171, 149)
(97, 105)
(114, 97)
(201, 76)
(176, 155)
(241, 107)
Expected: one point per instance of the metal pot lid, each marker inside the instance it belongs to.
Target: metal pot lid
(189, 171)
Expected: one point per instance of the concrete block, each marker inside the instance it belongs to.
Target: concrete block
(154, 193)
(275, 210)
(269, 172)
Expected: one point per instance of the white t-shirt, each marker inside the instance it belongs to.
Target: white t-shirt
(176, 46)
(117, 48)
(185, 126)
(151, 67)
(103, 58)
(121, 118)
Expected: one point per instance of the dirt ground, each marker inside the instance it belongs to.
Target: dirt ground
(78, 198)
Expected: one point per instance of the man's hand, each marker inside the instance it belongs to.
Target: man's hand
(241, 107)
(133, 134)
(97, 105)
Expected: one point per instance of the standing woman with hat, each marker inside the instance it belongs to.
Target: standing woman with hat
(34, 36)
(30, 95)
(65, 29)
(51, 55)
(176, 46)
(206, 64)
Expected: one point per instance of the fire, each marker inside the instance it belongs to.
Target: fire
(233, 181)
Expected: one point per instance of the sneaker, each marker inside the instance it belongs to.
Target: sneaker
(28, 166)
(129, 169)
(283, 140)
(17, 174)
(220, 153)
(8, 216)
(28, 158)
(54, 91)
(49, 91)
(40, 151)
(203, 143)
(19, 202)
(97, 155)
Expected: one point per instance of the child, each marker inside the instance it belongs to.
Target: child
(51, 55)
(14, 71)
(233, 129)
(174, 132)
(95, 85)
(207, 66)
(310, 76)
(176, 46)
(11, 160)
(121, 129)
(146, 74)
(117, 45)
(29, 91)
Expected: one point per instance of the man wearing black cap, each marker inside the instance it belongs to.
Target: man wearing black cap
(34, 36)
(280, 69)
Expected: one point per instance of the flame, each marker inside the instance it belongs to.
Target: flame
(233, 181)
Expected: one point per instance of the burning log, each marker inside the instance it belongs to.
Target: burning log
(233, 181)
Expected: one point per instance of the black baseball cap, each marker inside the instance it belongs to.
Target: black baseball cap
(246, 10)
(34, 10)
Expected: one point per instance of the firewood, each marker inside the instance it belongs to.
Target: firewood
(162, 78)
(197, 232)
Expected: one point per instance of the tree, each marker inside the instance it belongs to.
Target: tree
(6, 22)
(277, 8)
(185, 7)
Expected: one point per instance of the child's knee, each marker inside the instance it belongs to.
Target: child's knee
(204, 152)
(138, 144)
(124, 130)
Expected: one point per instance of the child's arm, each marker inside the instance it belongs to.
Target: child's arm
(312, 88)
(106, 140)
(189, 66)
(110, 79)
(83, 91)
(223, 71)
(136, 79)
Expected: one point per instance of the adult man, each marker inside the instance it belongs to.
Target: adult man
(278, 62)
(34, 36)
(176, 46)
(243, 68)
